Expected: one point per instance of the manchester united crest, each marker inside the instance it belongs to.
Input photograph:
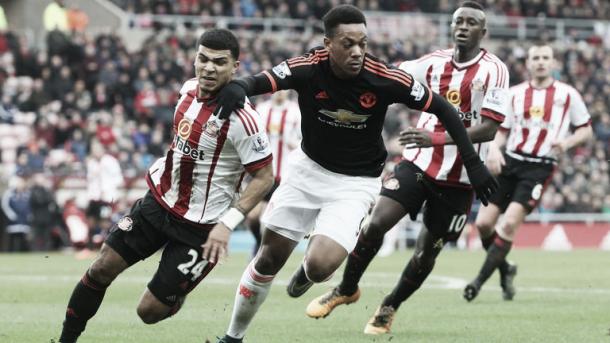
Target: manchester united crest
(368, 100)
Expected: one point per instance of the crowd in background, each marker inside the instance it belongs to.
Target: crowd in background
(86, 89)
(315, 9)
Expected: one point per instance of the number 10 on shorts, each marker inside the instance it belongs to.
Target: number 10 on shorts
(457, 223)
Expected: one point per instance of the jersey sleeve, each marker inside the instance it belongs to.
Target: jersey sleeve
(294, 72)
(250, 139)
(403, 88)
(579, 115)
(417, 68)
(509, 117)
(497, 100)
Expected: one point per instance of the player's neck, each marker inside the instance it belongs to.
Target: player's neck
(337, 71)
(203, 95)
(542, 82)
(465, 55)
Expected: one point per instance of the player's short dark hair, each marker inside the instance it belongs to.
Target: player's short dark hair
(220, 39)
(342, 14)
(472, 4)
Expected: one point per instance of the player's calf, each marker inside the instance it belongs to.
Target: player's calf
(152, 311)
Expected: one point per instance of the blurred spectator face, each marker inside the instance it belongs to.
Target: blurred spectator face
(214, 69)
(540, 61)
(468, 27)
(346, 49)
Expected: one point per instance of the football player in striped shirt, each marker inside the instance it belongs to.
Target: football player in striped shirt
(535, 134)
(192, 204)
(475, 82)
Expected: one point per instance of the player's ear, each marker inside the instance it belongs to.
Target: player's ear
(327, 42)
(235, 67)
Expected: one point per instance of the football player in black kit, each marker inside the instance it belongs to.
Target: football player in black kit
(334, 178)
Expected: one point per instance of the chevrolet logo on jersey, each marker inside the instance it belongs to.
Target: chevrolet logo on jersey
(345, 116)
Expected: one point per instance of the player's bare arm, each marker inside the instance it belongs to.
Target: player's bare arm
(419, 138)
(580, 136)
(215, 248)
(495, 158)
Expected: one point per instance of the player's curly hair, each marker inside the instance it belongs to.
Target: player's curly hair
(220, 39)
(342, 14)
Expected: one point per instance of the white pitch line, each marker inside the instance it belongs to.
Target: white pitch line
(387, 281)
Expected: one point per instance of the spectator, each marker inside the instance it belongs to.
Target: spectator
(104, 177)
(16, 207)
(45, 212)
(55, 17)
(77, 19)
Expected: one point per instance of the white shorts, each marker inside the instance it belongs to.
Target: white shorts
(313, 200)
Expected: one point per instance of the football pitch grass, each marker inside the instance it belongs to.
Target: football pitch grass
(561, 297)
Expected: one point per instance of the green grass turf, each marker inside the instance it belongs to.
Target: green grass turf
(562, 297)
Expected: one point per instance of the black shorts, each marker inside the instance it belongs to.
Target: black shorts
(446, 208)
(148, 228)
(522, 182)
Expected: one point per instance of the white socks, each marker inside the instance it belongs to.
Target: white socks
(251, 293)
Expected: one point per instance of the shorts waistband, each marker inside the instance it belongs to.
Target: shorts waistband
(530, 158)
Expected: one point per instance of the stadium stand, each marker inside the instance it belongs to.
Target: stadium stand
(81, 87)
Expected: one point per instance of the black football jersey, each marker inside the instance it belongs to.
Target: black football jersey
(342, 119)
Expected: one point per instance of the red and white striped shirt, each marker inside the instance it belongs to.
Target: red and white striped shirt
(541, 117)
(283, 126)
(476, 88)
(200, 176)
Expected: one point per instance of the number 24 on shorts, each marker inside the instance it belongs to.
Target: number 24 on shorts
(191, 267)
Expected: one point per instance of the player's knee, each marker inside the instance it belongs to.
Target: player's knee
(509, 228)
(148, 315)
(265, 264)
(103, 273)
(317, 271)
(375, 229)
(424, 263)
(484, 227)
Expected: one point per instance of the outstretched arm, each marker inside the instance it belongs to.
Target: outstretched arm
(580, 136)
(420, 138)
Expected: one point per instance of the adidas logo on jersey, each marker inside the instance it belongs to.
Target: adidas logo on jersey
(186, 149)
